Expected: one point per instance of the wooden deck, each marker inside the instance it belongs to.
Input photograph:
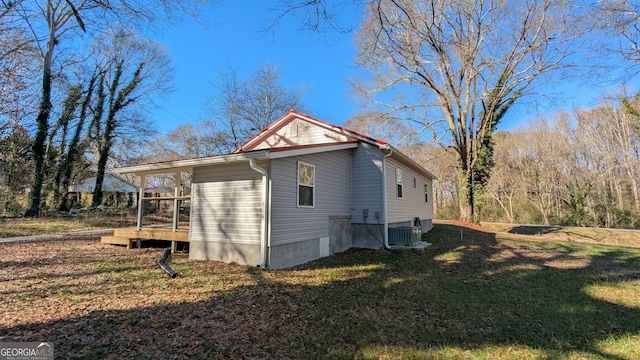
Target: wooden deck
(126, 236)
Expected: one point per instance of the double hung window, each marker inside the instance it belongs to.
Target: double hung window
(306, 185)
(399, 183)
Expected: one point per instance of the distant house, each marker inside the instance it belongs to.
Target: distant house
(117, 192)
(299, 190)
(110, 183)
(158, 192)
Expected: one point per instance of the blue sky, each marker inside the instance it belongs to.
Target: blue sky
(230, 33)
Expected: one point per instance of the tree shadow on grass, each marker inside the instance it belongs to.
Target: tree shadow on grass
(534, 230)
(468, 292)
(537, 294)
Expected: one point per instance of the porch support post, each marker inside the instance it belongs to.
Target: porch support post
(143, 184)
(176, 207)
(176, 201)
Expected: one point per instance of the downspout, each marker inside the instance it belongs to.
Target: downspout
(265, 207)
(384, 198)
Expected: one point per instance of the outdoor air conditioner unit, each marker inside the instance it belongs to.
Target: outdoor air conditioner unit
(405, 235)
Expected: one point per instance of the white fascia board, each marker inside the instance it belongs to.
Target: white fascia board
(311, 150)
(189, 164)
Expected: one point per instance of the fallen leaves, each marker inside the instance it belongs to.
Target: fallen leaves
(107, 302)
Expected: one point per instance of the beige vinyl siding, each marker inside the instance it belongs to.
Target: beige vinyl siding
(366, 187)
(226, 204)
(412, 203)
(300, 132)
(290, 223)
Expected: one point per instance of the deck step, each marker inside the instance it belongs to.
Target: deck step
(153, 233)
(116, 240)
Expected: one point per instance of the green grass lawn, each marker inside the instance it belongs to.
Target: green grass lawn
(476, 296)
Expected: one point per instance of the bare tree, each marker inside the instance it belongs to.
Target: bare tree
(12, 37)
(504, 185)
(48, 22)
(55, 22)
(17, 61)
(442, 164)
(620, 29)
(248, 106)
(318, 16)
(18, 88)
(466, 63)
(132, 70)
(379, 125)
(190, 141)
(578, 168)
(612, 136)
(15, 161)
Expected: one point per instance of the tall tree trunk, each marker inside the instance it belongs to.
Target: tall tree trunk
(465, 184)
(38, 147)
(636, 194)
(102, 166)
(62, 162)
(118, 100)
(75, 146)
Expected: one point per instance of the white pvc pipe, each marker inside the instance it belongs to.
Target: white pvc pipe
(265, 207)
(384, 199)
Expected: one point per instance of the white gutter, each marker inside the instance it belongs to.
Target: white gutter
(265, 207)
(384, 198)
(189, 164)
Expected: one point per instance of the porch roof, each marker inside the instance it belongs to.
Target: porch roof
(188, 164)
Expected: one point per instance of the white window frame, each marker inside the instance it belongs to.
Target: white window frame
(399, 187)
(312, 186)
(426, 193)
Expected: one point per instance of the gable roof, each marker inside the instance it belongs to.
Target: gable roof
(282, 139)
(274, 136)
(110, 183)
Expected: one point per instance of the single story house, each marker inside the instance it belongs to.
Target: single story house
(299, 190)
(110, 183)
(116, 192)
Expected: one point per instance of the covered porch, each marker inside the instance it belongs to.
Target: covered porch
(163, 230)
